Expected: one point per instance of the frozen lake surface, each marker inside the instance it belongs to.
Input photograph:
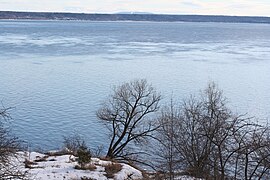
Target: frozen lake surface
(57, 73)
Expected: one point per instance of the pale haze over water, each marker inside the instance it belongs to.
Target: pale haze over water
(57, 73)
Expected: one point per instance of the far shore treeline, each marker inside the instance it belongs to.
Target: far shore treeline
(131, 17)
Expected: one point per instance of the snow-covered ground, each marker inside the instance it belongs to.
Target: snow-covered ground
(43, 167)
(62, 167)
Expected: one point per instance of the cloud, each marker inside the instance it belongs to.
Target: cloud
(194, 5)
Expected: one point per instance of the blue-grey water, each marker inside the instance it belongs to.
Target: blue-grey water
(57, 73)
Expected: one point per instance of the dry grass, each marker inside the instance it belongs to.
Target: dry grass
(90, 167)
(112, 169)
(29, 164)
(107, 159)
(87, 178)
(83, 178)
(52, 159)
(41, 159)
(58, 153)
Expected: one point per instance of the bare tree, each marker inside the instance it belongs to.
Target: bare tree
(206, 134)
(212, 142)
(190, 140)
(236, 140)
(166, 153)
(9, 145)
(127, 114)
(253, 158)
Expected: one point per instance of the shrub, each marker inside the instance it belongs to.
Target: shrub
(111, 169)
(84, 156)
(72, 144)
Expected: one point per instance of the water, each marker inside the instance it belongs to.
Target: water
(57, 73)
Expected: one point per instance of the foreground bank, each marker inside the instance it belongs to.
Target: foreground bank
(53, 166)
(44, 166)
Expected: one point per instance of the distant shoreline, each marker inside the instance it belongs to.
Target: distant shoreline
(51, 16)
(127, 21)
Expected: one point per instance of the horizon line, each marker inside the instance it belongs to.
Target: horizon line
(132, 13)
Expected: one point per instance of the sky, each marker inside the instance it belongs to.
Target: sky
(204, 7)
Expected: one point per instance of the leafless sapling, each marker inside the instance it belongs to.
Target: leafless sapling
(127, 114)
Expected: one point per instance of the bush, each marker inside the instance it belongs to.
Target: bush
(112, 168)
(84, 156)
(72, 144)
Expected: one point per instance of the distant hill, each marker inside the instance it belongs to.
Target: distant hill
(131, 17)
(133, 12)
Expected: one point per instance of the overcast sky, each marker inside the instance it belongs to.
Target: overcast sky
(212, 7)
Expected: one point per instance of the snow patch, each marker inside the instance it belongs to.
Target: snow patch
(44, 167)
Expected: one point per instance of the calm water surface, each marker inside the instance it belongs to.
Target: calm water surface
(56, 73)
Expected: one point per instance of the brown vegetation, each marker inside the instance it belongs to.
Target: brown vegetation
(111, 169)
